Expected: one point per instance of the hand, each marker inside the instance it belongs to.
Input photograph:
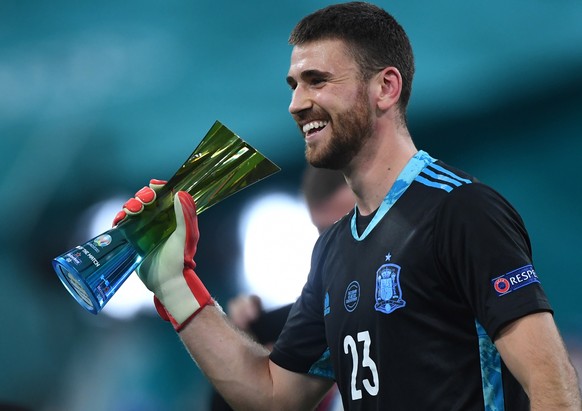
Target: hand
(169, 271)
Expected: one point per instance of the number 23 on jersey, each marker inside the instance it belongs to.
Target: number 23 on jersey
(351, 347)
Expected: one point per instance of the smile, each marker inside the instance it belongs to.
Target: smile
(313, 126)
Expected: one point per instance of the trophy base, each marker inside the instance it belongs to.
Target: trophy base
(93, 272)
(76, 286)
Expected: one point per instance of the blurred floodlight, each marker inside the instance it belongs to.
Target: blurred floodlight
(277, 239)
(133, 296)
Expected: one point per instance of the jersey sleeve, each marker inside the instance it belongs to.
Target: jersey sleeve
(302, 345)
(482, 246)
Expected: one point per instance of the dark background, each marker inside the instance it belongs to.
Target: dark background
(98, 97)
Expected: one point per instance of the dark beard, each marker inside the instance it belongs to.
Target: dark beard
(350, 135)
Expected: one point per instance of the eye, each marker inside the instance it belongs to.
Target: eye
(291, 83)
(317, 81)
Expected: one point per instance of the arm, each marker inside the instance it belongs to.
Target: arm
(483, 237)
(240, 368)
(534, 352)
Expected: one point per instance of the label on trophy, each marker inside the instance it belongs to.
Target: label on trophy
(96, 252)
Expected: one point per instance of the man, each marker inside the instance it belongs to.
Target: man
(423, 298)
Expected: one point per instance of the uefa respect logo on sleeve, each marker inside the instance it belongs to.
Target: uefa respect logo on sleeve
(514, 280)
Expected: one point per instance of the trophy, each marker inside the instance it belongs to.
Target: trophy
(220, 166)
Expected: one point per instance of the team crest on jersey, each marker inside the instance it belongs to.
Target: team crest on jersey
(388, 291)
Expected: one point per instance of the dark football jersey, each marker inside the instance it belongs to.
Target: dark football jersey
(403, 314)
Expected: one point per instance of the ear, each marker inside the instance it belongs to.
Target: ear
(389, 87)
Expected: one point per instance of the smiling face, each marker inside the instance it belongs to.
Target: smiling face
(330, 103)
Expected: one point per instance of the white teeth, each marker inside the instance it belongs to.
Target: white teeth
(314, 124)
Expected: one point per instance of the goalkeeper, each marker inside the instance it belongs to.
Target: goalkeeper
(424, 297)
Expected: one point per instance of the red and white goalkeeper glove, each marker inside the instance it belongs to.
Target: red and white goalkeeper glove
(169, 271)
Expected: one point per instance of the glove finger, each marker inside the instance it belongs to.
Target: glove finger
(119, 217)
(133, 206)
(147, 195)
(156, 184)
(187, 222)
(144, 196)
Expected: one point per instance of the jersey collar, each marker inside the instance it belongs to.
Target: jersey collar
(412, 169)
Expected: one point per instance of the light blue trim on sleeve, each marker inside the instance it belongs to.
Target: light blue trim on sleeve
(490, 371)
(322, 367)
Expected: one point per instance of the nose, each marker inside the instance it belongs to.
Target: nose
(300, 100)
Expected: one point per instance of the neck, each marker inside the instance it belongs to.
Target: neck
(374, 170)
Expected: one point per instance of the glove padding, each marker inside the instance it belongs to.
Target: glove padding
(169, 271)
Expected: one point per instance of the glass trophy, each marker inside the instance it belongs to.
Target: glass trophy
(220, 166)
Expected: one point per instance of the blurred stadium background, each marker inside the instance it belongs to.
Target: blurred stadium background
(98, 97)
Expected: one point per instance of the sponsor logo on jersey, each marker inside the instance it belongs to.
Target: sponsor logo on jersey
(388, 291)
(514, 280)
(352, 296)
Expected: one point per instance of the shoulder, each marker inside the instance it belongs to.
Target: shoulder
(460, 200)
(476, 215)
(476, 200)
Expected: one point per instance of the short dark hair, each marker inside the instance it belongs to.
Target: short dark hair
(373, 37)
